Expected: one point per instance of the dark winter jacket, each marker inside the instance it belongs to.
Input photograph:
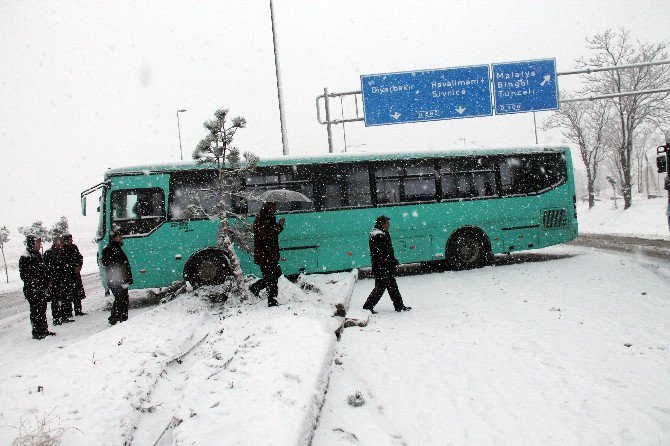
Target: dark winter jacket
(117, 266)
(266, 240)
(74, 259)
(382, 255)
(56, 263)
(33, 272)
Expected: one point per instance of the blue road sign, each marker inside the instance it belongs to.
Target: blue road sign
(429, 95)
(528, 86)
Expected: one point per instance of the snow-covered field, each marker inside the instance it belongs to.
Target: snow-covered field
(566, 345)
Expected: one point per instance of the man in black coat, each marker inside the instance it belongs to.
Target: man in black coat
(56, 263)
(384, 265)
(33, 272)
(118, 275)
(75, 286)
(266, 251)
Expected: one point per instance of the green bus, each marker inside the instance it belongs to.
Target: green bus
(458, 206)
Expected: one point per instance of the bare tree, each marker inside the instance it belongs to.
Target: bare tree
(217, 148)
(584, 124)
(614, 48)
(4, 238)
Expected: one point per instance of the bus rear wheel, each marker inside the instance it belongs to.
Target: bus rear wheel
(208, 269)
(466, 250)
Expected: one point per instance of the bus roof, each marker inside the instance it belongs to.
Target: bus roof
(336, 158)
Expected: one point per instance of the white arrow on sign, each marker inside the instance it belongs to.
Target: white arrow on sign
(460, 110)
(396, 115)
(545, 79)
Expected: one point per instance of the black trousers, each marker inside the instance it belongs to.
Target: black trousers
(271, 275)
(120, 305)
(381, 285)
(59, 304)
(38, 313)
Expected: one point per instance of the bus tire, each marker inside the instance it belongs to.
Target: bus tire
(208, 269)
(468, 249)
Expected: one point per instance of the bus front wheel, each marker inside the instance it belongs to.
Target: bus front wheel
(208, 269)
(467, 249)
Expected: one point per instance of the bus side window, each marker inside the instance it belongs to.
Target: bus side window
(194, 195)
(344, 185)
(530, 174)
(137, 211)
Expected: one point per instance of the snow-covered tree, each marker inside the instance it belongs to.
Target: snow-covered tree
(37, 229)
(217, 148)
(613, 48)
(4, 238)
(585, 124)
(59, 228)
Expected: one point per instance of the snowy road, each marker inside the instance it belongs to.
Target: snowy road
(13, 302)
(566, 345)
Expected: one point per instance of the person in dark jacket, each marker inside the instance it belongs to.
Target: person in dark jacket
(266, 251)
(33, 272)
(384, 266)
(56, 263)
(118, 275)
(75, 286)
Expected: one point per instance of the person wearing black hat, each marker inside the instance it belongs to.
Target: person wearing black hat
(33, 272)
(118, 275)
(384, 265)
(266, 251)
(75, 286)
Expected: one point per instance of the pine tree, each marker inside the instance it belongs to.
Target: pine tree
(59, 228)
(37, 229)
(217, 148)
(4, 238)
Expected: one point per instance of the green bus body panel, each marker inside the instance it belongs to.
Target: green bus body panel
(337, 240)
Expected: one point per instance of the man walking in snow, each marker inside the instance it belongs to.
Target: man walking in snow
(33, 272)
(266, 251)
(119, 276)
(384, 266)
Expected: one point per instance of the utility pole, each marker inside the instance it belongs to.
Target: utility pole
(282, 119)
(181, 154)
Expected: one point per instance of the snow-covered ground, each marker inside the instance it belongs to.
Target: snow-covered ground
(566, 345)
(238, 371)
(562, 346)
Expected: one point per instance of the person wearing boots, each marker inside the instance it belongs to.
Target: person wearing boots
(33, 272)
(266, 251)
(118, 275)
(56, 263)
(75, 286)
(384, 266)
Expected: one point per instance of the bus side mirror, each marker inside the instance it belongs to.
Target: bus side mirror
(83, 205)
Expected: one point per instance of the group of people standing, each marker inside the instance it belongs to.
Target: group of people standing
(382, 256)
(54, 277)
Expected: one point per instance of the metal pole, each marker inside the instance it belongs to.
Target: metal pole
(330, 131)
(535, 124)
(181, 154)
(282, 120)
(344, 126)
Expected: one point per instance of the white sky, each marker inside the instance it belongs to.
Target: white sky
(89, 85)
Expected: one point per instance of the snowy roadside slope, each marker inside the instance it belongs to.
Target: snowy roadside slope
(278, 359)
(94, 387)
(265, 379)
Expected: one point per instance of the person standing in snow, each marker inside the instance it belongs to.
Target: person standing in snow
(384, 266)
(667, 209)
(56, 263)
(266, 251)
(118, 275)
(75, 286)
(33, 272)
